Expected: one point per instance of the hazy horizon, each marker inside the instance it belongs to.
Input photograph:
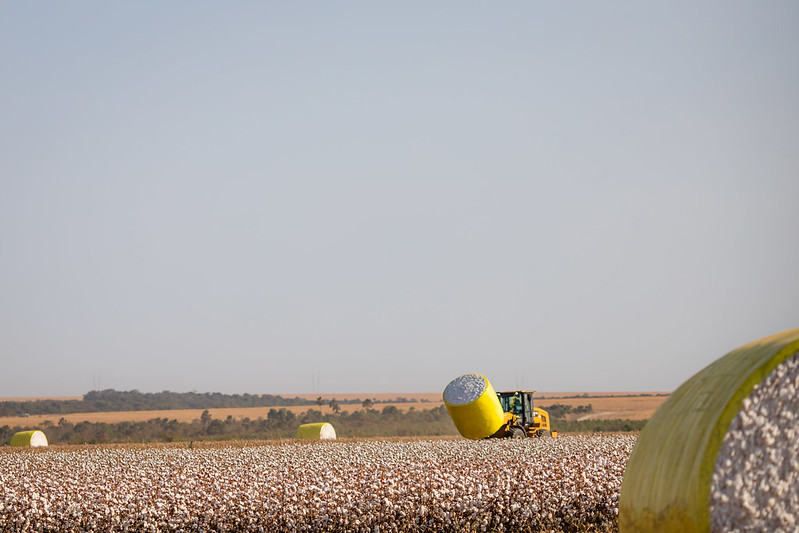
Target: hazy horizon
(359, 197)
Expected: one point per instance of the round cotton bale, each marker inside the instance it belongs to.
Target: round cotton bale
(474, 406)
(722, 451)
(316, 431)
(32, 439)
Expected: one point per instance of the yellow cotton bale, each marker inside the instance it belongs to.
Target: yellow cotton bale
(33, 439)
(474, 407)
(316, 431)
(668, 480)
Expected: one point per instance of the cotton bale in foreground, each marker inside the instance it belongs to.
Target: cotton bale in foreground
(474, 407)
(316, 431)
(721, 453)
(32, 439)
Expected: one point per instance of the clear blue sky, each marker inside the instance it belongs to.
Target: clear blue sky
(237, 197)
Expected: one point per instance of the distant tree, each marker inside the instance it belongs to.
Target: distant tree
(319, 401)
(368, 404)
(205, 420)
(310, 416)
(334, 406)
(5, 435)
(390, 410)
(216, 427)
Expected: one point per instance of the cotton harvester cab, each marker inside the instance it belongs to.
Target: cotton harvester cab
(522, 418)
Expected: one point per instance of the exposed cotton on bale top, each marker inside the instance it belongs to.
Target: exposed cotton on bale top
(473, 405)
(316, 431)
(721, 453)
(33, 439)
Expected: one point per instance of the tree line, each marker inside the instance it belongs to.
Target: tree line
(281, 423)
(112, 400)
(559, 410)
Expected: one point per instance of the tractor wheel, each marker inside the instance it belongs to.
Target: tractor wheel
(543, 433)
(517, 433)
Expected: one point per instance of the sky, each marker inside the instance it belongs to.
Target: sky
(320, 197)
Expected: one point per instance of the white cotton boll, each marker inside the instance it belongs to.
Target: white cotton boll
(323, 486)
(760, 455)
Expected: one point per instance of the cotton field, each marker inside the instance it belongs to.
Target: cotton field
(566, 484)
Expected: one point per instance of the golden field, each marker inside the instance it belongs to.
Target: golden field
(187, 415)
(607, 405)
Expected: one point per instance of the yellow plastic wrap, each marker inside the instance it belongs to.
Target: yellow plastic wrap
(667, 481)
(33, 439)
(316, 431)
(474, 407)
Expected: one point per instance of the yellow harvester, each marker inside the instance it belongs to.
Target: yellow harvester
(522, 418)
(479, 412)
